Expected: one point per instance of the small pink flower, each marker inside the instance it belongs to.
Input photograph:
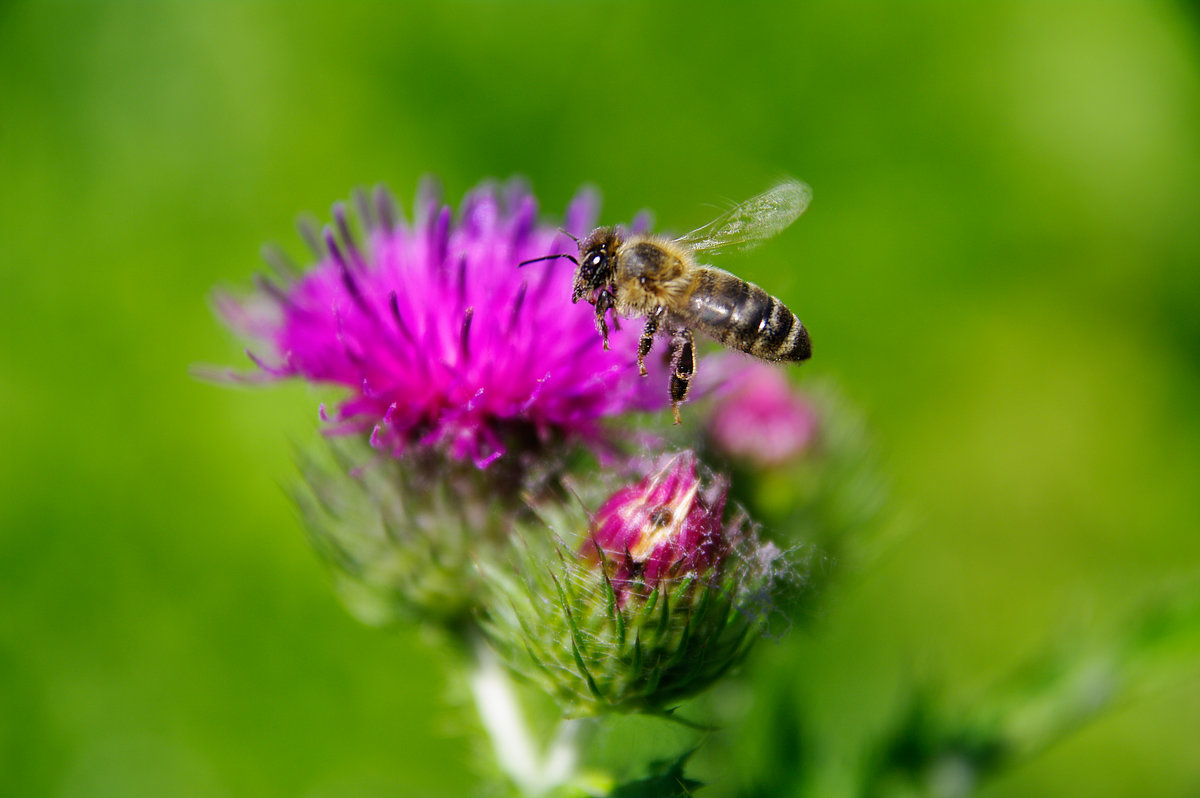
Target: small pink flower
(664, 527)
(439, 339)
(762, 420)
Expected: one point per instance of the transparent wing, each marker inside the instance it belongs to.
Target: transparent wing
(747, 225)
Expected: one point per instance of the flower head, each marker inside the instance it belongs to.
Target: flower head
(645, 603)
(762, 420)
(438, 336)
(399, 545)
(664, 526)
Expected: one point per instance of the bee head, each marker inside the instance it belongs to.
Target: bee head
(597, 254)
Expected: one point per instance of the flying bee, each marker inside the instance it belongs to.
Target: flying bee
(660, 279)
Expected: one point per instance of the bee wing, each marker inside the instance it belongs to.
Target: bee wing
(752, 222)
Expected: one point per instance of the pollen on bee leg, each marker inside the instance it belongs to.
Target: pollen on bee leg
(602, 326)
(603, 304)
(647, 339)
(675, 411)
(683, 365)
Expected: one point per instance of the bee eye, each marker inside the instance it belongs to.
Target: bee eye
(596, 260)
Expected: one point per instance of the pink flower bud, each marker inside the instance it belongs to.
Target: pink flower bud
(666, 526)
(763, 420)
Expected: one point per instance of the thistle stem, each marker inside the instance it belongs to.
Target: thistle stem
(532, 771)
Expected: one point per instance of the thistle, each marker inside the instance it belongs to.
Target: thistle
(482, 483)
(477, 416)
(440, 342)
(642, 605)
(472, 380)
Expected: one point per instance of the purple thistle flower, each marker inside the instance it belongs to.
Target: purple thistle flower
(667, 525)
(441, 340)
(762, 419)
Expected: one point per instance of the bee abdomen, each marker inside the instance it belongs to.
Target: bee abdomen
(781, 335)
(743, 316)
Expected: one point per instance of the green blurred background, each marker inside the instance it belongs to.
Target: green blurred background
(1001, 266)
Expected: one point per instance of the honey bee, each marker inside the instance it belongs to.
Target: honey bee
(660, 279)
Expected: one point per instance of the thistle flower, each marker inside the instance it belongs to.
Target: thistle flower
(645, 604)
(763, 420)
(440, 340)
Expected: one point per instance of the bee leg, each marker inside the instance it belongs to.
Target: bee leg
(683, 365)
(603, 303)
(647, 339)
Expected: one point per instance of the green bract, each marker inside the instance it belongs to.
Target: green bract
(400, 539)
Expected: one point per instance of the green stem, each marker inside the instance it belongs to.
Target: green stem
(535, 772)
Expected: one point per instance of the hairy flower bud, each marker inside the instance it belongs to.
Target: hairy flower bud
(640, 606)
(400, 539)
(663, 527)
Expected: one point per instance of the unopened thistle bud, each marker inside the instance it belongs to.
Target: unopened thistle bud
(646, 603)
(664, 527)
(762, 420)
(400, 539)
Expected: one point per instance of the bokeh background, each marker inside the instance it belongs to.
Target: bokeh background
(1001, 267)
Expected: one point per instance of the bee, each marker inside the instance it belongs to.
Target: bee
(661, 279)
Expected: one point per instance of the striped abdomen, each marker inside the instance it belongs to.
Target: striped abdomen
(743, 316)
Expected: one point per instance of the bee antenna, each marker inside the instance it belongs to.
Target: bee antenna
(549, 257)
(568, 234)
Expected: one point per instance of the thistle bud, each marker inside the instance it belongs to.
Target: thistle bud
(664, 527)
(763, 420)
(643, 604)
(400, 539)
